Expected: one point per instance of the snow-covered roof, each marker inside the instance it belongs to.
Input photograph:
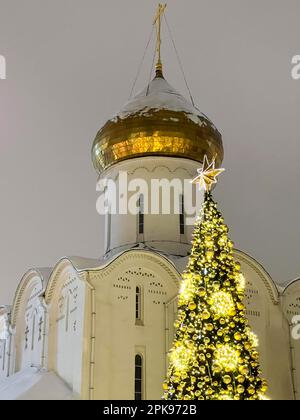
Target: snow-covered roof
(158, 95)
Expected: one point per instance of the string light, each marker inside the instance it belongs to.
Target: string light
(227, 358)
(241, 282)
(222, 304)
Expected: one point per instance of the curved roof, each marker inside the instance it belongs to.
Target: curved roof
(291, 284)
(157, 122)
(262, 272)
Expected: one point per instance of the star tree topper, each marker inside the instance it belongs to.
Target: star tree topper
(207, 175)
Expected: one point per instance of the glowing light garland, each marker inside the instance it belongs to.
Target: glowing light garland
(227, 358)
(222, 304)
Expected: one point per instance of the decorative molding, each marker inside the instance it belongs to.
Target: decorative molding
(262, 273)
(149, 171)
(135, 256)
(28, 277)
(293, 283)
(55, 277)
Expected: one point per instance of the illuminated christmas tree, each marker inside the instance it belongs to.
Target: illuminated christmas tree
(214, 355)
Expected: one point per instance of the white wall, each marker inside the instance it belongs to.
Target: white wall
(118, 337)
(4, 345)
(161, 230)
(66, 321)
(28, 323)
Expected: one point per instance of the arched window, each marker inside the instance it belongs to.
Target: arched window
(33, 333)
(141, 214)
(138, 304)
(107, 222)
(181, 215)
(138, 384)
(68, 312)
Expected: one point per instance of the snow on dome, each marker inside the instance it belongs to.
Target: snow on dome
(157, 96)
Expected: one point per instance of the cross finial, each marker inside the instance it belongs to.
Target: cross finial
(157, 21)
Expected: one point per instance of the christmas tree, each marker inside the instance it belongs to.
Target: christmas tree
(214, 355)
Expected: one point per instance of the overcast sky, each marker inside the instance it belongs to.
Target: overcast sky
(70, 66)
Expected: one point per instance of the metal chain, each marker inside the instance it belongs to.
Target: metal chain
(141, 63)
(179, 60)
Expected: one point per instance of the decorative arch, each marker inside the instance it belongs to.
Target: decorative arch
(292, 286)
(27, 305)
(291, 309)
(64, 298)
(56, 278)
(291, 300)
(32, 278)
(141, 256)
(263, 275)
(150, 170)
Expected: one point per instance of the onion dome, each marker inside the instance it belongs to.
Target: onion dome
(157, 122)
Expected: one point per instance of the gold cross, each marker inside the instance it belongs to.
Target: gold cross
(157, 21)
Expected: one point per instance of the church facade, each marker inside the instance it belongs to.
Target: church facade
(104, 327)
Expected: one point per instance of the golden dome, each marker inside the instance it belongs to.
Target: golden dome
(157, 122)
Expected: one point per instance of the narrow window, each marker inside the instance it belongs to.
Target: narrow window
(181, 215)
(138, 304)
(67, 312)
(138, 386)
(3, 354)
(107, 221)
(108, 230)
(141, 214)
(33, 333)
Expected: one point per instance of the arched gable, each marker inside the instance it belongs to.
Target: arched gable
(291, 309)
(291, 299)
(136, 257)
(32, 283)
(263, 277)
(28, 319)
(56, 278)
(64, 298)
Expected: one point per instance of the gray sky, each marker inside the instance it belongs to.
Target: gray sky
(70, 66)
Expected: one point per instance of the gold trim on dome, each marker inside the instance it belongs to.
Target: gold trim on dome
(158, 133)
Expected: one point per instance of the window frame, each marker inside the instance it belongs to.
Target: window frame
(181, 215)
(139, 380)
(139, 305)
(141, 214)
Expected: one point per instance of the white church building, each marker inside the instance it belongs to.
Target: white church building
(101, 329)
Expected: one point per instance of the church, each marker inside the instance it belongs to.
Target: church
(102, 329)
